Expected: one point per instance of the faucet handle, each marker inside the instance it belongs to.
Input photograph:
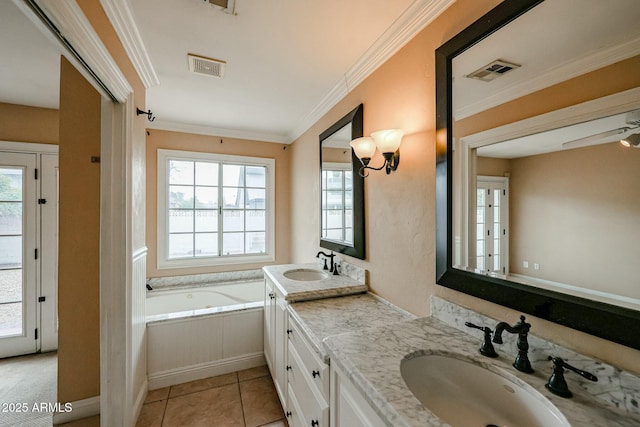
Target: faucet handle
(557, 384)
(487, 348)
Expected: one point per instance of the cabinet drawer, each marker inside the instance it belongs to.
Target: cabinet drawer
(294, 414)
(318, 371)
(314, 408)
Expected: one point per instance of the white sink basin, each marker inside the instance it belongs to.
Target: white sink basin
(464, 394)
(305, 274)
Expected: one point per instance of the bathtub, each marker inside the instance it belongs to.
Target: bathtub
(203, 331)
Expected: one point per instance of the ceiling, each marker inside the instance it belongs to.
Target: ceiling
(555, 41)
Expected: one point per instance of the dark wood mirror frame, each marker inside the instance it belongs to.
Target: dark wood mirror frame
(355, 117)
(606, 321)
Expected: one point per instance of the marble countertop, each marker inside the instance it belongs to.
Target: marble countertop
(371, 358)
(296, 290)
(323, 318)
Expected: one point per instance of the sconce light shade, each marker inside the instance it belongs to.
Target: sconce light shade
(388, 141)
(365, 148)
(631, 141)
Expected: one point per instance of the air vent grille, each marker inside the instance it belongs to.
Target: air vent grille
(207, 66)
(226, 5)
(633, 118)
(492, 70)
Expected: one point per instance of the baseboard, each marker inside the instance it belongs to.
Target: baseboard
(79, 409)
(204, 370)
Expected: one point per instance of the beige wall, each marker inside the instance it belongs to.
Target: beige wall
(585, 203)
(79, 238)
(21, 123)
(400, 208)
(489, 166)
(158, 139)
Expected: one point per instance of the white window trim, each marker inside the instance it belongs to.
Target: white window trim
(163, 227)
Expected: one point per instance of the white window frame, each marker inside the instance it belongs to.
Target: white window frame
(162, 210)
(343, 167)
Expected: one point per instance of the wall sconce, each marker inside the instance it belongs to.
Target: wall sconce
(387, 141)
(631, 141)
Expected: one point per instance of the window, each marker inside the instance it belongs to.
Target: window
(214, 209)
(492, 225)
(337, 202)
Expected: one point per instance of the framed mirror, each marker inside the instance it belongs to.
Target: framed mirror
(342, 188)
(563, 260)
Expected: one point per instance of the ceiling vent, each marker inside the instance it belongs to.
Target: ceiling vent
(492, 70)
(633, 118)
(207, 66)
(226, 5)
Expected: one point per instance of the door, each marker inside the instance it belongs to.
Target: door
(18, 243)
(492, 254)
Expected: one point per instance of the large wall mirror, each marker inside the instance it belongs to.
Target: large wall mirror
(537, 199)
(342, 188)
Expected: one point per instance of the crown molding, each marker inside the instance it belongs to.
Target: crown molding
(74, 26)
(417, 16)
(122, 19)
(563, 72)
(167, 125)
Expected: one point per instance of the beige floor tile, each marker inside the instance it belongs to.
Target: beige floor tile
(85, 422)
(279, 423)
(151, 414)
(251, 373)
(260, 402)
(204, 384)
(220, 407)
(155, 395)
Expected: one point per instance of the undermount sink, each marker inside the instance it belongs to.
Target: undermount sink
(462, 393)
(305, 274)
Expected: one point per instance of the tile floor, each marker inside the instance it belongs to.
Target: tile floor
(244, 399)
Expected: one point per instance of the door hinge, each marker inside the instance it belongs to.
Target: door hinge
(35, 173)
(36, 253)
(36, 333)
(504, 192)
(42, 201)
(42, 299)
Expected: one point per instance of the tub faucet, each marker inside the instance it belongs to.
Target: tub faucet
(521, 328)
(333, 268)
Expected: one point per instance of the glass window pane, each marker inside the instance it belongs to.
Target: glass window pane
(334, 219)
(180, 172)
(206, 244)
(480, 231)
(256, 176)
(496, 213)
(232, 243)
(480, 248)
(11, 184)
(496, 263)
(206, 221)
(180, 245)
(11, 319)
(334, 180)
(334, 234)
(348, 235)
(206, 173)
(480, 196)
(480, 215)
(180, 221)
(256, 221)
(207, 197)
(480, 263)
(348, 180)
(11, 289)
(256, 243)
(256, 199)
(496, 246)
(11, 251)
(180, 197)
(497, 230)
(233, 197)
(10, 217)
(232, 220)
(348, 199)
(348, 218)
(233, 175)
(334, 200)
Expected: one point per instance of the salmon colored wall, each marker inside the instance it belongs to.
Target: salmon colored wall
(79, 238)
(21, 123)
(158, 139)
(400, 208)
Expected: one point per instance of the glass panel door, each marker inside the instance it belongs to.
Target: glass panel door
(17, 254)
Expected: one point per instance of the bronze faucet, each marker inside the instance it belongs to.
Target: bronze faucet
(521, 328)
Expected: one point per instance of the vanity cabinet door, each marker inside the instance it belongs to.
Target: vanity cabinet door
(269, 320)
(348, 406)
(280, 348)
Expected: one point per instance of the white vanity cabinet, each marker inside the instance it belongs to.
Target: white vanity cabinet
(275, 337)
(348, 407)
(308, 378)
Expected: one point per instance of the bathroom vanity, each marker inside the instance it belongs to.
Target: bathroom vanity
(342, 357)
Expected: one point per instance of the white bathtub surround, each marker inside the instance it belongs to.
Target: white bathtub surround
(194, 280)
(371, 359)
(614, 388)
(189, 349)
(295, 290)
(323, 318)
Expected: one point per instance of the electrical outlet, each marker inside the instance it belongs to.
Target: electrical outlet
(536, 266)
(525, 264)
